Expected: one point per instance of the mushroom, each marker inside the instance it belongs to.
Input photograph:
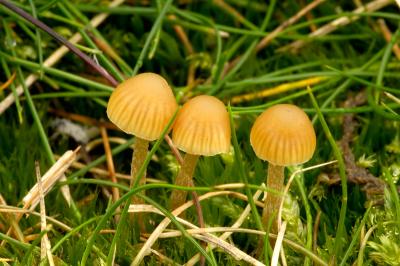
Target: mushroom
(201, 128)
(282, 135)
(142, 106)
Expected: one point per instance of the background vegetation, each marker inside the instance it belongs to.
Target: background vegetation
(252, 54)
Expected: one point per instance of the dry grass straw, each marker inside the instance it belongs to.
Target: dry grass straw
(32, 198)
(16, 210)
(45, 246)
(234, 226)
(201, 234)
(392, 97)
(55, 173)
(145, 250)
(335, 24)
(278, 245)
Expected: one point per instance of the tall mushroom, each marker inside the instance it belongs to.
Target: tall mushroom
(282, 135)
(142, 106)
(201, 128)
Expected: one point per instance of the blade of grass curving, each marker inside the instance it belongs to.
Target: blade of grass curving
(72, 232)
(56, 72)
(394, 194)
(122, 223)
(353, 242)
(374, 92)
(156, 26)
(102, 159)
(81, 94)
(353, 76)
(309, 218)
(246, 55)
(8, 74)
(32, 247)
(347, 83)
(243, 178)
(340, 232)
(108, 183)
(38, 40)
(118, 10)
(290, 97)
(124, 212)
(42, 133)
(28, 31)
(47, 5)
(331, 111)
(218, 64)
(14, 241)
(60, 39)
(58, 18)
(242, 174)
(32, 108)
(156, 39)
(103, 59)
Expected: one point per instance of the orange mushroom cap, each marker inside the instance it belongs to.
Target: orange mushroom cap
(202, 127)
(142, 105)
(283, 135)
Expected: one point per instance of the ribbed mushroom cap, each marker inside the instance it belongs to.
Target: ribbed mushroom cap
(283, 135)
(202, 127)
(142, 105)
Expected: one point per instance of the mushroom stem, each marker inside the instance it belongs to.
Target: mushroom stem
(184, 178)
(272, 201)
(140, 149)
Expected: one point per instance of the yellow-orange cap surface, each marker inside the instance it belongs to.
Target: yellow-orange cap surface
(283, 135)
(202, 127)
(142, 105)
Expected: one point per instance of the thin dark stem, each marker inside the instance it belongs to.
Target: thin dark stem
(60, 39)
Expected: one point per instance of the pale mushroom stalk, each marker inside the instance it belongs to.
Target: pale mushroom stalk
(272, 201)
(184, 178)
(140, 149)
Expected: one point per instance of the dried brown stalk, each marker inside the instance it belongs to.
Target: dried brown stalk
(309, 16)
(111, 168)
(8, 82)
(316, 230)
(388, 37)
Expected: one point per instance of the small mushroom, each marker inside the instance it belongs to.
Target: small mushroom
(142, 106)
(201, 128)
(282, 135)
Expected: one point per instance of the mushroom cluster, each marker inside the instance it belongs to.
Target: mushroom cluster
(142, 105)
